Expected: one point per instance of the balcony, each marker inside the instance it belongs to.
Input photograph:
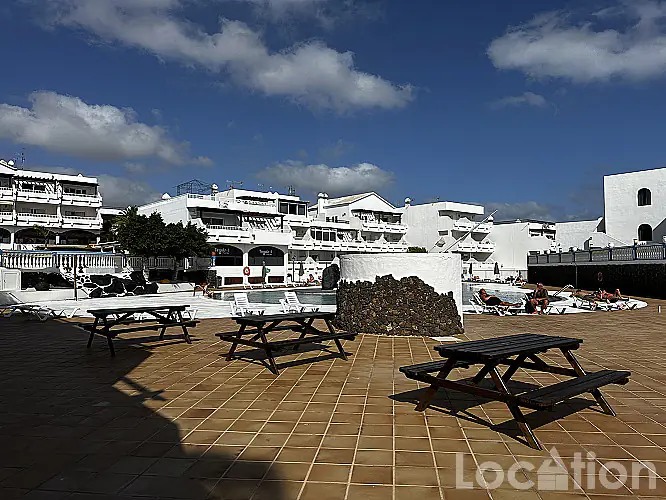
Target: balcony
(228, 234)
(6, 193)
(6, 217)
(36, 196)
(28, 219)
(383, 227)
(81, 222)
(486, 247)
(87, 200)
(250, 206)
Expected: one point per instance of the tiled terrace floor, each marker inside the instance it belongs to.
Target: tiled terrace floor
(171, 420)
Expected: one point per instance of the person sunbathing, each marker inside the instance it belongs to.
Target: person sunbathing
(611, 298)
(493, 300)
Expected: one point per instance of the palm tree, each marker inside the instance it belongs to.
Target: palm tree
(43, 232)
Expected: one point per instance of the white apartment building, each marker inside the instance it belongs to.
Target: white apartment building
(635, 206)
(437, 226)
(67, 205)
(248, 229)
(514, 240)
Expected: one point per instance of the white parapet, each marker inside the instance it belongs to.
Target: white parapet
(439, 270)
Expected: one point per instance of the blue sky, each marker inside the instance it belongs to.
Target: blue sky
(522, 106)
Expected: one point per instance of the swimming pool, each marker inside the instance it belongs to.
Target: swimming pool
(514, 295)
(314, 297)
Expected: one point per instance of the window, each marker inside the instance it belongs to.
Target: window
(227, 255)
(270, 255)
(645, 232)
(324, 234)
(4, 236)
(291, 208)
(644, 197)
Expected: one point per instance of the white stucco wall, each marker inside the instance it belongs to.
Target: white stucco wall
(622, 213)
(575, 234)
(441, 271)
(512, 244)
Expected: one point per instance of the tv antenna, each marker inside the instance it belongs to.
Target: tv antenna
(234, 184)
(291, 191)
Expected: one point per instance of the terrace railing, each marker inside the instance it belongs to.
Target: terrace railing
(655, 251)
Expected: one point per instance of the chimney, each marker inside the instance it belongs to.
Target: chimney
(408, 202)
(214, 190)
(321, 198)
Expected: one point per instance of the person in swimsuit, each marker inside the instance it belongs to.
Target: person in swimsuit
(540, 299)
(493, 300)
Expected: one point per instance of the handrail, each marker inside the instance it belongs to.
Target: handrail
(649, 251)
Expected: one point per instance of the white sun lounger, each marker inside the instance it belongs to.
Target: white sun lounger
(242, 307)
(481, 307)
(40, 312)
(290, 303)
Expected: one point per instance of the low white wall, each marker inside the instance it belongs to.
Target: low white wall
(439, 270)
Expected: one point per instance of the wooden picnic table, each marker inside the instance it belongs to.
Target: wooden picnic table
(514, 351)
(113, 321)
(262, 325)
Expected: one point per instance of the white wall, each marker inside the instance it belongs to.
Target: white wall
(422, 225)
(172, 210)
(512, 244)
(441, 271)
(622, 213)
(575, 234)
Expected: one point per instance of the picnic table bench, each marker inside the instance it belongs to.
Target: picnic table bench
(515, 352)
(262, 325)
(112, 322)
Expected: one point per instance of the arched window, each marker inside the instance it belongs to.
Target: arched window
(5, 237)
(644, 197)
(645, 232)
(226, 255)
(34, 237)
(270, 255)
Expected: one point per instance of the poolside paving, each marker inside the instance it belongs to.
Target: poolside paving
(164, 419)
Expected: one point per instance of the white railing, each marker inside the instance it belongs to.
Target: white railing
(227, 228)
(80, 195)
(201, 196)
(140, 263)
(81, 217)
(5, 188)
(90, 262)
(27, 260)
(255, 202)
(38, 216)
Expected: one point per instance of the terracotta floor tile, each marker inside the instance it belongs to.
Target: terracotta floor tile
(375, 474)
(323, 491)
(328, 473)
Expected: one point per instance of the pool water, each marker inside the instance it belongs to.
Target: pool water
(314, 297)
(513, 296)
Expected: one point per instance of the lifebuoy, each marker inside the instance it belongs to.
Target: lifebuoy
(246, 271)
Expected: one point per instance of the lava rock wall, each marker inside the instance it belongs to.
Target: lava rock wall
(396, 307)
(107, 285)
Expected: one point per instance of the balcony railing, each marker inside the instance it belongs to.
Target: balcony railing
(51, 217)
(227, 228)
(613, 254)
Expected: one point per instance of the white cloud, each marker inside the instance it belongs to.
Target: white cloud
(308, 73)
(335, 181)
(66, 124)
(120, 192)
(522, 210)
(526, 99)
(558, 45)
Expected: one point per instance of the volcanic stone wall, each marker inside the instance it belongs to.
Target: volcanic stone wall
(396, 307)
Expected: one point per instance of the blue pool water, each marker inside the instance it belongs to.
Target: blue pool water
(315, 297)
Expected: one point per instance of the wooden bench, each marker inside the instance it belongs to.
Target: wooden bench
(515, 352)
(112, 322)
(262, 325)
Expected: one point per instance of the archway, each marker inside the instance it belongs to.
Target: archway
(78, 237)
(5, 236)
(270, 255)
(644, 197)
(226, 255)
(645, 232)
(32, 236)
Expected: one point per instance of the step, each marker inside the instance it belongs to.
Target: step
(547, 397)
